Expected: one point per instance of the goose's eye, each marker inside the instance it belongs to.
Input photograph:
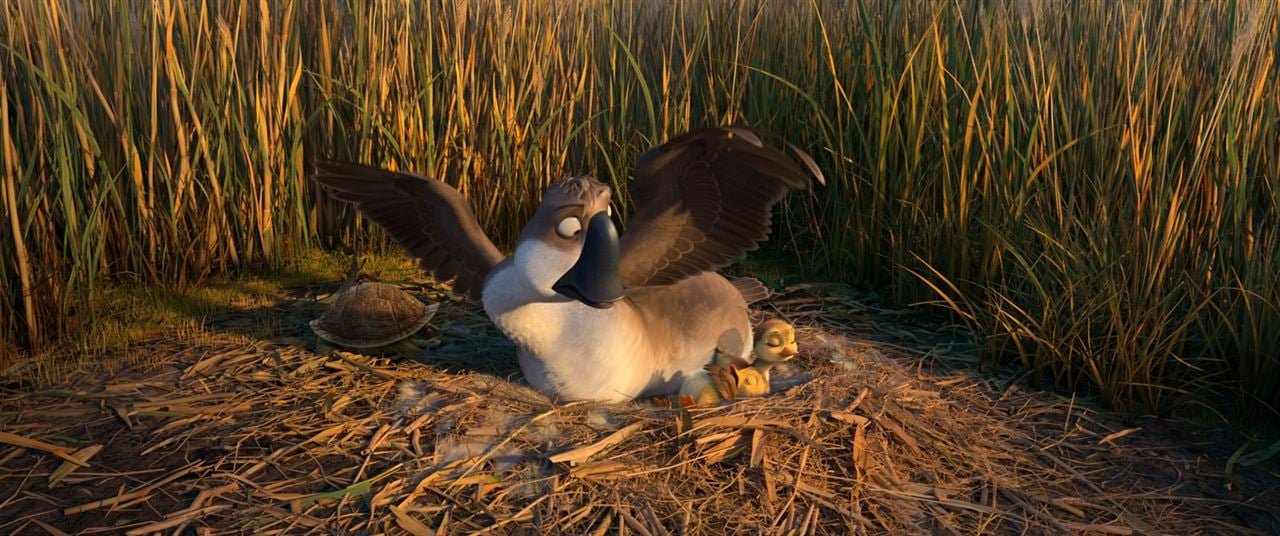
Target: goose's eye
(569, 227)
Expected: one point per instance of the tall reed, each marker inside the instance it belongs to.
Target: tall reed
(1091, 185)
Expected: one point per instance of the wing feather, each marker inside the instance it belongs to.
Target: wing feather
(703, 200)
(724, 379)
(751, 289)
(428, 218)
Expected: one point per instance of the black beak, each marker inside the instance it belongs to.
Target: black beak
(594, 279)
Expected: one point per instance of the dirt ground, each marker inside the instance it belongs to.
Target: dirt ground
(880, 426)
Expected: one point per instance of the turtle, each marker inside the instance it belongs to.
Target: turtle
(373, 315)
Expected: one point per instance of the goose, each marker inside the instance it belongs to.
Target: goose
(595, 316)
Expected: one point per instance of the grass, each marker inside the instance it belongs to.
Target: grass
(1091, 186)
(124, 314)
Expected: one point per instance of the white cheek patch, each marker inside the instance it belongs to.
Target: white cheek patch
(543, 264)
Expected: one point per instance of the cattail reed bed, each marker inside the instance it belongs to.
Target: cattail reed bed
(1090, 186)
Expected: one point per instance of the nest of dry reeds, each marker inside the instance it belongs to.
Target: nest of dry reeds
(213, 431)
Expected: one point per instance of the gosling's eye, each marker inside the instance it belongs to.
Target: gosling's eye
(569, 227)
(775, 341)
(609, 210)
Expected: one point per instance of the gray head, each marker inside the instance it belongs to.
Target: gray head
(570, 247)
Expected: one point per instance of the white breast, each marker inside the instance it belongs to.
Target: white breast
(567, 348)
(578, 352)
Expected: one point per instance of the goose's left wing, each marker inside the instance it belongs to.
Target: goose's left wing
(704, 199)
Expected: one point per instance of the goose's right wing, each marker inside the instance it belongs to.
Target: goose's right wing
(426, 217)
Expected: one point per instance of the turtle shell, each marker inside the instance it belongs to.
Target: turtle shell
(373, 314)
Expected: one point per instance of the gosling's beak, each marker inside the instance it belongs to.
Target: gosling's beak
(789, 351)
(595, 279)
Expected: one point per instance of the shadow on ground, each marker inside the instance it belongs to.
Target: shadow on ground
(459, 339)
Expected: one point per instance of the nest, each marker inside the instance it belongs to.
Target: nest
(220, 432)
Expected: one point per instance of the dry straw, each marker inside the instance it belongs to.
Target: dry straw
(228, 435)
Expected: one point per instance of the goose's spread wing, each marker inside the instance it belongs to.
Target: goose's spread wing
(703, 200)
(426, 217)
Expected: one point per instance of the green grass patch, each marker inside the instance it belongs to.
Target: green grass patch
(130, 312)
